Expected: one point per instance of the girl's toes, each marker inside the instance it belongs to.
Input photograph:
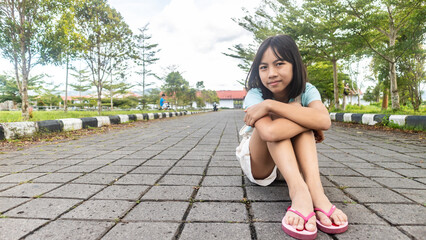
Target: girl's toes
(310, 225)
(323, 219)
(342, 219)
(290, 220)
(300, 225)
(345, 218)
(337, 219)
(326, 221)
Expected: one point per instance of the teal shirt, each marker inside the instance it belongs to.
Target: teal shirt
(254, 96)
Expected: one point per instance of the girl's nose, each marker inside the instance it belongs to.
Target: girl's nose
(272, 72)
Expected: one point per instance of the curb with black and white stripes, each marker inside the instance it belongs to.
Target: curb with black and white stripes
(13, 130)
(373, 119)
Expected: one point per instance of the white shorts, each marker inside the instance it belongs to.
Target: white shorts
(243, 156)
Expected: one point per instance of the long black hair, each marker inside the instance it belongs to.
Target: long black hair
(285, 49)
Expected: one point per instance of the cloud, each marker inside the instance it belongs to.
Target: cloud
(193, 34)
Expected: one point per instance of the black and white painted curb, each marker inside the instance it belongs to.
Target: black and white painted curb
(13, 130)
(372, 119)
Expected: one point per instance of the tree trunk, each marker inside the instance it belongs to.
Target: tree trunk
(143, 77)
(336, 85)
(394, 87)
(81, 100)
(392, 71)
(415, 97)
(112, 103)
(344, 102)
(99, 101)
(25, 105)
(66, 89)
(112, 94)
(25, 73)
(359, 99)
(385, 99)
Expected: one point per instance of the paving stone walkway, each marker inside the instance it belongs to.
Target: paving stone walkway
(179, 179)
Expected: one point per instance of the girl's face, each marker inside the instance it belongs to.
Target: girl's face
(275, 74)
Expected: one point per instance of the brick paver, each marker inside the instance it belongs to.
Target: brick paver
(179, 179)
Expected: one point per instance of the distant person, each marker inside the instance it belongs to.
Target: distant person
(162, 100)
(215, 106)
(346, 90)
(283, 112)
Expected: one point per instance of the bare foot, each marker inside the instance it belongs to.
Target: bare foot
(301, 201)
(337, 217)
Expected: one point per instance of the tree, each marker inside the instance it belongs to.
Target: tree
(189, 96)
(119, 86)
(317, 27)
(82, 81)
(326, 39)
(380, 70)
(412, 75)
(245, 54)
(380, 24)
(199, 85)
(209, 96)
(321, 75)
(107, 38)
(9, 89)
(145, 55)
(372, 94)
(117, 83)
(23, 23)
(153, 96)
(64, 43)
(260, 28)
(48, 96)
(175, 85)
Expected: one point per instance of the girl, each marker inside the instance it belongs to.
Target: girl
(284, 117)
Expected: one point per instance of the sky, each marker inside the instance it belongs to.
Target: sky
(192, 35)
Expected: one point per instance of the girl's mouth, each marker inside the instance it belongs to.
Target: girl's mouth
(274, 83)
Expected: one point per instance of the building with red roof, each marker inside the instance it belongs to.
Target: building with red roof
(231, 98)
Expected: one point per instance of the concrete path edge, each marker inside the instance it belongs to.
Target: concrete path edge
(372, 119)
(14, 130)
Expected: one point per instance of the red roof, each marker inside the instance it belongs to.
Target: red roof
(231, 94)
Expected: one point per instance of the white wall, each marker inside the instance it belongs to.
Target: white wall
(354, 100)
(226, 103)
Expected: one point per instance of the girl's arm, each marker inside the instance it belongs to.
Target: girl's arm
(278, 129)
(315, 116)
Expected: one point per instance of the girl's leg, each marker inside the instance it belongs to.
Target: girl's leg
(306, 152)
(261, 161)
(264, 157)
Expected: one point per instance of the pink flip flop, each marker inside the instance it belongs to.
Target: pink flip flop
(299, 234)
(333, 228)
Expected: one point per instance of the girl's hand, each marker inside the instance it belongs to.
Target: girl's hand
(256, 112)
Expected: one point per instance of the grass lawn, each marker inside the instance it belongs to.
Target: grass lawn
(376, 109)
(15, 116)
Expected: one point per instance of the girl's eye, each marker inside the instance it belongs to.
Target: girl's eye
(280, 63)
(262, 67)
